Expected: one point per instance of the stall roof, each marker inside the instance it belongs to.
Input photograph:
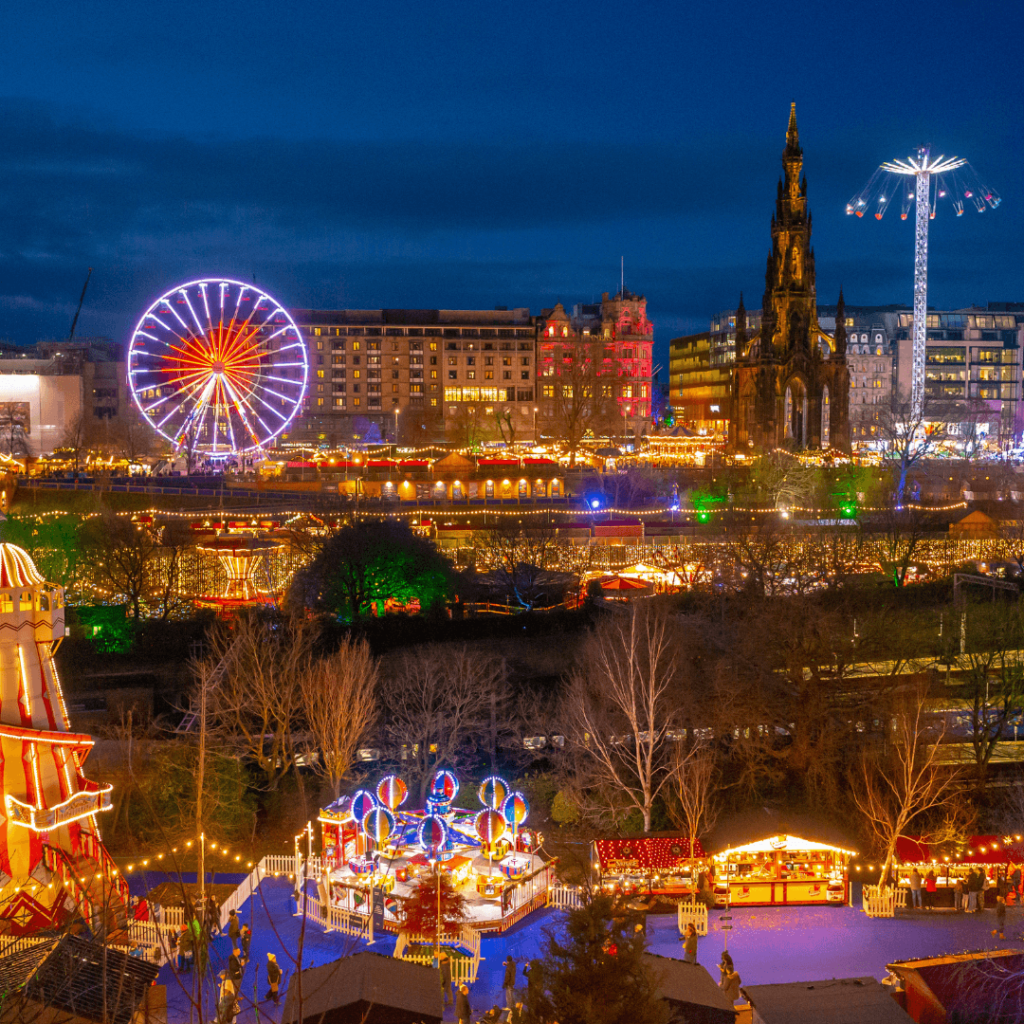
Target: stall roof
(976, 850)
(838, 1001)
(785, 843)
(652, 851)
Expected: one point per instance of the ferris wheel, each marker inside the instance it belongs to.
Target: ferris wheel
(217, 367)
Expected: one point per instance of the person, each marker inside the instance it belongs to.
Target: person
(509, 982)
(960, 895)
(974, 887)
(730, 982)
(235, 966)
(227, 1006)
(445, 966)
(492, 1016)
(185, 948)
(931, 886)
(915, 889)
(1015, 878)
(690, 944)
(234, 930)
(532, 973)
(1000, 917)
(515, 1015)
(246, 941)
(463, 1013)
(273, 977)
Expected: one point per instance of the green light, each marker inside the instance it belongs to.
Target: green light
(703, 516)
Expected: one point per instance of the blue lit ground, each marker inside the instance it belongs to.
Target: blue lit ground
(768, 945)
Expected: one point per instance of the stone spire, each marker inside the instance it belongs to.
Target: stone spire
(792, 135)
(840, 351)
(741, 328)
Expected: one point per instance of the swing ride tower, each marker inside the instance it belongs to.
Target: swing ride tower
(934, 178)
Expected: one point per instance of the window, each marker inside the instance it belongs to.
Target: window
(525, 374)
(453, 374)
(320, 374)
(433, 374)
(453, 360)
(357, 374)
(507, 361)
(433, 346)
(488, 360)
(394, 389)
(507, 375)
(471, 360)
(488, 375)
(548, 391)
(394, 375)
(355, 346)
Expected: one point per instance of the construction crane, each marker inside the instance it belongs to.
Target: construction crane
(74, 322)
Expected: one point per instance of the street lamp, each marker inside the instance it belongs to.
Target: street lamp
(536, 436)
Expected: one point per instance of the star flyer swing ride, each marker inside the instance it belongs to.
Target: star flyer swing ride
(369, 842)
(218, 368)
(935, 178)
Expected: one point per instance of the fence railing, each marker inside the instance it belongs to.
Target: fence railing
(419, 949)
(564, 897)
(692, 912)
(882, 901)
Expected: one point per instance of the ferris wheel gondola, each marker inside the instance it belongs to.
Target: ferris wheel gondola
(218, 368)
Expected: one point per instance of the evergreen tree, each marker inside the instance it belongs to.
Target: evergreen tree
(593, 971)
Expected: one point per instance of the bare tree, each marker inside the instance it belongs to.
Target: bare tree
(339, 704)
(520, 558)
(504, 418)
(693, 802)
(76, 437)
(256, 706)
(439, 702)
(908, 434)
(619, 707)
(583, 402)
(904, 531)
(899, 788)
(121, 557)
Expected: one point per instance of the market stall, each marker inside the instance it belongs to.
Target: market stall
(997, 857)
(655, 863)
(780, 870)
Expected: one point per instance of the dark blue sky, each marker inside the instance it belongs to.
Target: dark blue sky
(368, 154)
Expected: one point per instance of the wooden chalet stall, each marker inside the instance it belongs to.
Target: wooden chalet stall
(656, 863)
(996, 856)
(780, 870)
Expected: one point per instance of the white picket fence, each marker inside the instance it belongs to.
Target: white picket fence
(882, 901)
(692, 912)
(335, 918)
(565, 897)
(464, 968)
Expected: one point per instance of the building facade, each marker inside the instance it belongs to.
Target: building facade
(791, 382)
(418, 374)
(700, 390)
(602, 351)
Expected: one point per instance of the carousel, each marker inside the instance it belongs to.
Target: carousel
(370, 840)
(239, 554)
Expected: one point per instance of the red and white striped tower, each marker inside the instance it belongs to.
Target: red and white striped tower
(53, 865)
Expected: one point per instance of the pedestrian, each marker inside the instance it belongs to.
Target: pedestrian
(974, 887)
(492, 1016)
(532, 973)
(273, 977)
(931, 886)
(234, 930)
(246, 940)
(515, 1015)
(227, 1005)
(1015, 878)
(235, 966)
(960, 895)
(445, 965)
(915, 889)
(729, 982)
(690, 945)
(509, 982)
(1000, 917)
(462, 1010)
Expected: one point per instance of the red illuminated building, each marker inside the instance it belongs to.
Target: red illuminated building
(613, 339)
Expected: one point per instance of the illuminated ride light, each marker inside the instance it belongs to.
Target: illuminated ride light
(218, 368)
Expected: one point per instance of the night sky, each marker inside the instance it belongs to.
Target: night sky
(467, 155)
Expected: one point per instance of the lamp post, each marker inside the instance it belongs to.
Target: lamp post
(536, 436)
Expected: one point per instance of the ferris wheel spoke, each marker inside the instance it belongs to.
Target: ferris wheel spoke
(219, 382)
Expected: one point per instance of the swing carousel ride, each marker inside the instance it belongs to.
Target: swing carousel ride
(369, 841)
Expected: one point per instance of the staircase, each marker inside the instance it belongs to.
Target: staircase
(101, 895)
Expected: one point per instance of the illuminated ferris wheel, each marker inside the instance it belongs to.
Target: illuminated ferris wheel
(218, 368)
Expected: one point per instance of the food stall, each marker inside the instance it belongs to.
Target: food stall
(996, 856)
(656, 863)
(781, 870)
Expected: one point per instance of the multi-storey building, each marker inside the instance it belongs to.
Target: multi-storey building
(972, 366)
(604, 349)
(420, 373)
(869, 357)
(699, 390)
